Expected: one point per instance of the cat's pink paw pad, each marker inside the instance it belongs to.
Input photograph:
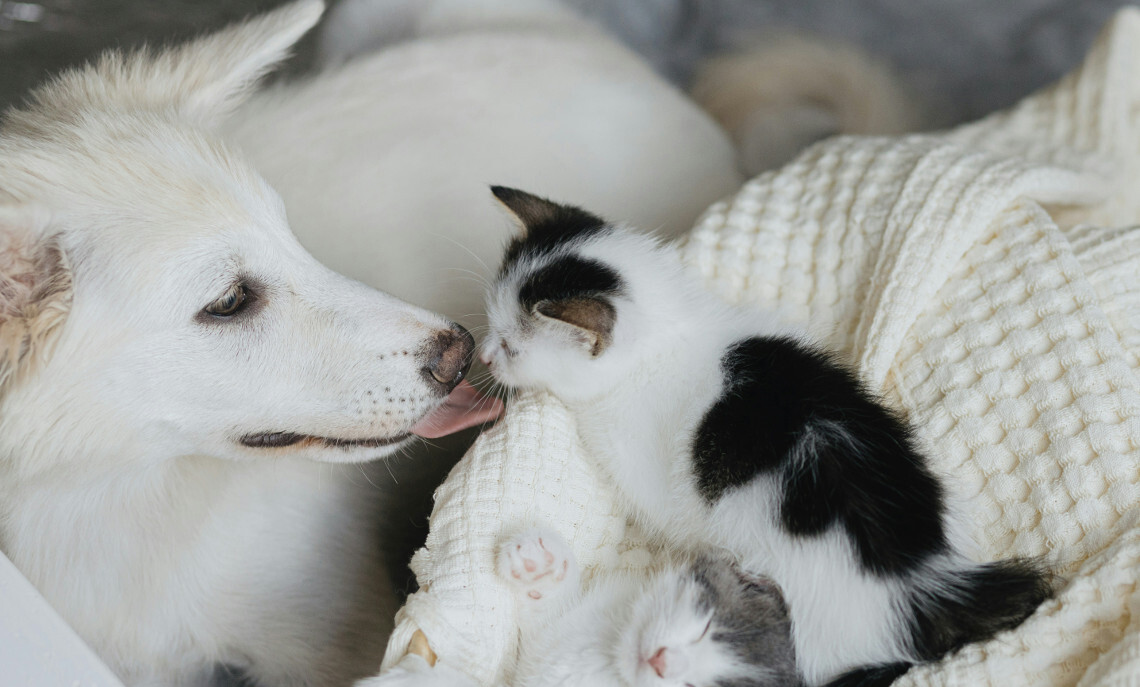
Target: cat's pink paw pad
(537, 562)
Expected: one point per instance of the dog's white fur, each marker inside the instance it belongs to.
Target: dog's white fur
(125, 495)
(384, 164)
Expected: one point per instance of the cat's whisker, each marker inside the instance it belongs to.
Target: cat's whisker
(470, 252)
(467, 278)
(471, 276)
(481, 379)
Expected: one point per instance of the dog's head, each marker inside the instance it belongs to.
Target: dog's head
(153, 300)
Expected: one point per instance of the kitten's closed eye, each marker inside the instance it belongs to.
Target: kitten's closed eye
(507, 350)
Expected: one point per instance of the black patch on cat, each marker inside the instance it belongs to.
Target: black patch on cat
(840, 457)
(751, 618)
(871, 676)
(973, 605)
(568, 277)
(548, 224)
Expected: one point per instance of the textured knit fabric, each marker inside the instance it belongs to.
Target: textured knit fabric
(987, 282)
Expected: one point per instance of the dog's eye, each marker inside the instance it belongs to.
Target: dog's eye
(230, 303)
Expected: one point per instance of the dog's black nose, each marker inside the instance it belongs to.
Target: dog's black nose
(448, 358)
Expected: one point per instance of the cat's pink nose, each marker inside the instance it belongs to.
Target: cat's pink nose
(657, 662)
(668, 664)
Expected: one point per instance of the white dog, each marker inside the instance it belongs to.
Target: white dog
(177, 373)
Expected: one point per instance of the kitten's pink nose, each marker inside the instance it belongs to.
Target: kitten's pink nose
(488, 352)
(657, 662)
(668, 663)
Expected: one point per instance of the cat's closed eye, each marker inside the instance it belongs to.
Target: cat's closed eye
(704, 632)
(507, 350)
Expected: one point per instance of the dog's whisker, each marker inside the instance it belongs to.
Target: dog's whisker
(364, 474)
(387, 467)
(432, 445)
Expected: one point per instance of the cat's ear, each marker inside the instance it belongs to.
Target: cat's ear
(592, 318)
(528, 210)
(759, 584)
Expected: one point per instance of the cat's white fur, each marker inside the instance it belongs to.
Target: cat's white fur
(663, 370)
(619, 630)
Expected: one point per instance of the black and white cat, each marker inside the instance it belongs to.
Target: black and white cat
(723, 427)
(696, 624)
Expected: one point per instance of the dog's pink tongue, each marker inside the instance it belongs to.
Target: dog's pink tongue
(465, 407)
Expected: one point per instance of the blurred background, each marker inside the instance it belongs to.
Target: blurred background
(961, 58)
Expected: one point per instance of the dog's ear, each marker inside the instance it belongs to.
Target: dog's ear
(202, 80)
(35, 289)
(215, 73)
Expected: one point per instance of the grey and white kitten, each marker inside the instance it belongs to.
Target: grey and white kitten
(697, 624)
(723, 427)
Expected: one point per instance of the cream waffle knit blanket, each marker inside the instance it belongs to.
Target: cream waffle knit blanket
(986, 281)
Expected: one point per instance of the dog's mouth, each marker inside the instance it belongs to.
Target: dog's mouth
(282, 439)
(464, 407)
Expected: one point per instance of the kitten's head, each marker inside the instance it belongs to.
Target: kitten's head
(561, 307)
(708, 625)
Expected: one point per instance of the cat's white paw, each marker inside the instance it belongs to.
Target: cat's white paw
(538, 563)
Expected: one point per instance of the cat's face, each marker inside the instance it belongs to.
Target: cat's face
(669, 640)
(559, 309)
(707, 626)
